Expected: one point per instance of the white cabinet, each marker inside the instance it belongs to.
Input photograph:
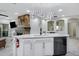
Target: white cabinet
(27, 47)
(38, 47)
(35, 47)
(48, 46)
(43, 46)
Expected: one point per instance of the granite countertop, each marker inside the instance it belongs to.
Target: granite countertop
(41, 36)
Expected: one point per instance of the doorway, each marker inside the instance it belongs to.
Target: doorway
(73, 27)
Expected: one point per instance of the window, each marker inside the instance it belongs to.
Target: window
(4, 30)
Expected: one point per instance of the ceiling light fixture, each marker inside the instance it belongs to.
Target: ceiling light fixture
(16, 13)
(60, 10)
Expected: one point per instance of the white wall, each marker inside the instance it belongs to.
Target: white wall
(66, 25)
(4, 21)
(35, 26)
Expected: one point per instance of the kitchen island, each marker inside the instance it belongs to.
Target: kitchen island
(40, 45)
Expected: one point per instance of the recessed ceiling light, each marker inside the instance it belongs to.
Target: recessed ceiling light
(28, 11)
(16, 13)
(62, 15)
(60, 10)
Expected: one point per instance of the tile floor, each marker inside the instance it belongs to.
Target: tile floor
(73, 48)
(7, 51)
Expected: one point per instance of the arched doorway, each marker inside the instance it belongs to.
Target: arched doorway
(73, 27)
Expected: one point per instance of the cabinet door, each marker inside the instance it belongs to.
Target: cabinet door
(50, 25)
(27, 49)
(38, 47)
(60, 24)
(48, 46)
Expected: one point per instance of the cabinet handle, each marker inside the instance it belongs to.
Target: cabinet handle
(31, 46)
(43, 45)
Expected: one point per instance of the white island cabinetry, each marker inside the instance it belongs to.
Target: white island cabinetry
(48, 47)
(27, 47)
(38, 47)
(35, 45)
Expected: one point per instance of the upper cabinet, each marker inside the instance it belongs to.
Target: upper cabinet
(60, 25)
(50, 26)
(54, 26)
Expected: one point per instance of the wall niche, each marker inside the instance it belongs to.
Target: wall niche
(24, 23)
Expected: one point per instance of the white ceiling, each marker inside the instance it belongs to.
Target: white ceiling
(38, 9)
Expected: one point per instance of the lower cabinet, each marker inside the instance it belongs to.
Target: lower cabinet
(38, 47)
(27, 48)
(48, 47)
(43, 47)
